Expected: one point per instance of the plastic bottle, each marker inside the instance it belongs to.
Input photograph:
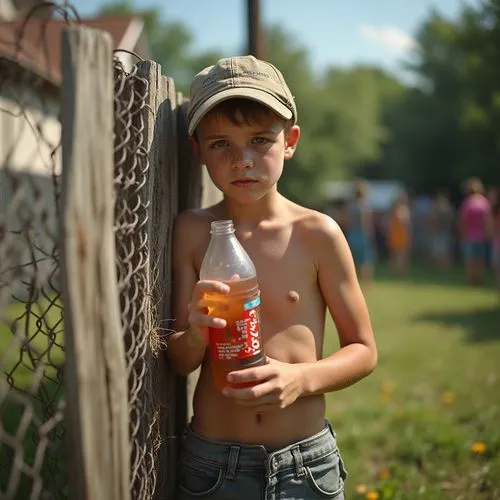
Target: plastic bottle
(239, 344)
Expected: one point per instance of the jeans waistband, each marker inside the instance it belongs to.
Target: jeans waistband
(232, 456)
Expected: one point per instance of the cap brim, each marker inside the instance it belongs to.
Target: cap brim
(244, 93)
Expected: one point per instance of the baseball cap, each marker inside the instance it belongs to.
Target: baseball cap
(239, 77)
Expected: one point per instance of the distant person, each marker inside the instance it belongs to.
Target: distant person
(475, 227)
(399, 234)
(419, 213)
(441, 220)
(495, 243)
(360, 231)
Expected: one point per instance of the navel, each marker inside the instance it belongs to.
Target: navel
(293, 296)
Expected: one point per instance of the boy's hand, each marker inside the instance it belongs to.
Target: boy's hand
(199, 319)
(277, 385)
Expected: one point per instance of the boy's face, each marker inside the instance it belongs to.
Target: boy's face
(244, 161)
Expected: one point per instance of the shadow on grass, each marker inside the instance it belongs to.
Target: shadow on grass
(480, 325)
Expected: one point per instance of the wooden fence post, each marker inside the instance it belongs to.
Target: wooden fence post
(161, 143)
(95, 370)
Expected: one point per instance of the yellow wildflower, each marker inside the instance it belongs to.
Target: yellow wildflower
(478, 447)
(447, 398)
(372, 495)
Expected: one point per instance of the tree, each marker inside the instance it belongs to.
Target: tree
(446, 129)
(339, 117)
(170, 43)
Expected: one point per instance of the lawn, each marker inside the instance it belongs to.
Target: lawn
(30, 362)
(425, 424)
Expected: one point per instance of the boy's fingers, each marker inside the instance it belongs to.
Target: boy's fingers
(259, 373)
(255, 395)
(216, 305)
(207, 286)
(201, 320)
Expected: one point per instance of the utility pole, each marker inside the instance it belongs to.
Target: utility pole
(255, 42)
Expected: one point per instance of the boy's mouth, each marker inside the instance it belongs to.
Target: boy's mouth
(244, 182)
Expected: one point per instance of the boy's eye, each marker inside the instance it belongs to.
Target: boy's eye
(260, 140)
(221, 143)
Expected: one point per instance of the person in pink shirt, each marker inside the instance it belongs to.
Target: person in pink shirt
(475, 228)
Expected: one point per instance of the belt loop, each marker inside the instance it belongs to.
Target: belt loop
(299, 464)
(332, 430)
(232, 462)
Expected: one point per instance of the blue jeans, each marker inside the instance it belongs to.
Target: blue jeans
(477, 250)
(306, 470)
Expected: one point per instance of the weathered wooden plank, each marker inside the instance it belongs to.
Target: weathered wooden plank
(96, 379)
(175, 385)
(162, 149)
(189, 168)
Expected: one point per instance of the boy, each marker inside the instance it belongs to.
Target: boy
(269, 440)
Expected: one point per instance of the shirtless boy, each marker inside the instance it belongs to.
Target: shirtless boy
(271, 440)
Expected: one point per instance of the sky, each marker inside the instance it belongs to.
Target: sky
(334, 32)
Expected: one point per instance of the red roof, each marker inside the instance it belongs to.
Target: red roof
(37, 45)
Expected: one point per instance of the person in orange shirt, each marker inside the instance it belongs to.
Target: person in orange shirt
(399, 234)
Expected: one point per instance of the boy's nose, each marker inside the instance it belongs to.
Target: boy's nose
(243, 160)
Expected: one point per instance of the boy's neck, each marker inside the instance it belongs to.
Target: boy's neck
(267, 208)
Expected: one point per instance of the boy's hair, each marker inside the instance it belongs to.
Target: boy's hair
(246, 112)
(242, 77)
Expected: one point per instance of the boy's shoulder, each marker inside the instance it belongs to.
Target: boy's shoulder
(314, 225)
(196, 217)
(192, 226)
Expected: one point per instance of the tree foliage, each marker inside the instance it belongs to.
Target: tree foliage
(446, 129)
(364, 121)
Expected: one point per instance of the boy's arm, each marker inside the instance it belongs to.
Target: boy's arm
(279, 384)
(184, 351)
(357, 356)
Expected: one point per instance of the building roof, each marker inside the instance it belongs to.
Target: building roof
(36, 44)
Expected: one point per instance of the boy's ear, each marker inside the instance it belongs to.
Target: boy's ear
(291, 141)
(195, 146)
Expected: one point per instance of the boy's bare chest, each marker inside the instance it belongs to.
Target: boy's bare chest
(285, 277)
(286, 273)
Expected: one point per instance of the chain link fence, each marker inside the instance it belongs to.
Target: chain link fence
(135, 280)
(32, 430)
(33, 434)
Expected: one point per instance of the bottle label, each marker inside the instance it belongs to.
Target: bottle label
(241, 338)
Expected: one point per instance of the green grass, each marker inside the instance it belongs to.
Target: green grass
(31, 355)
(398, 437)
(407, 431)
